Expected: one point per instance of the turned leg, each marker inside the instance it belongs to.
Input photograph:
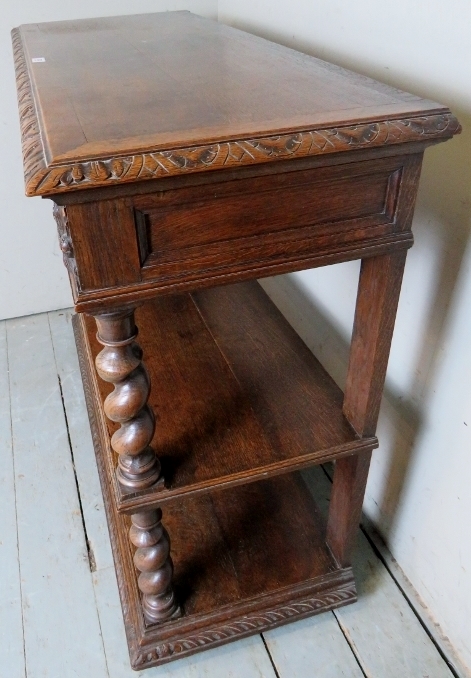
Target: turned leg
(120, 363)
(153, 561)
(375, 313)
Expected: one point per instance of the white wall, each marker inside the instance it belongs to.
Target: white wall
(32, 276)
(418, 491)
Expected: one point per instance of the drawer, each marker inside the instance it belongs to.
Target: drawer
(252, 223)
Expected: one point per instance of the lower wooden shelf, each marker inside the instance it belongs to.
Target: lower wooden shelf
(246, 559)
(248, 555)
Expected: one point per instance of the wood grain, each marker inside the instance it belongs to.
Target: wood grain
(198, 110)
(182, 154)
(375, 313)
(238, 395)
(256, 590)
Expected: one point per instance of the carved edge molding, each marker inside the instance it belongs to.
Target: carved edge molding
(157, 164)
(43, 180)
(34, 161)
(248, 625)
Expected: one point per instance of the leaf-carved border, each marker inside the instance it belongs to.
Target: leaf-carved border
(248, 625)
(41, 179)
(34, 162)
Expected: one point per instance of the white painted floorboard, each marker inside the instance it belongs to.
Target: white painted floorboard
(11, 625)
(72, 618)
(80, 437)
(381, 627)
(312, 647)
(61, 626)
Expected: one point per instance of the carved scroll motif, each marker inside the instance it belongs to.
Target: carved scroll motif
(65, 241)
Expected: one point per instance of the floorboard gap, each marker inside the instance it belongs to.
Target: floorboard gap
(269, 656)
(439, 649)
(351, 646)
(90, 554)
(414, 609)
(16, 509)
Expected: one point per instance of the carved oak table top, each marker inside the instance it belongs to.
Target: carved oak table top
(182, 155)
(124, 99)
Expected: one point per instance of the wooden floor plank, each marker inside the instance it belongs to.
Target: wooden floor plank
(12, 660)
(384, 633)
(312, 647)
(62, 629)
(387, 637)
(80, 437)
(244, 659)
(249, 660)
(61, 626)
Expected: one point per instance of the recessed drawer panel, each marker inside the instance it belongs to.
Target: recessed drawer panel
(237, 225)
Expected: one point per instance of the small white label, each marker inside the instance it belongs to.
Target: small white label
(38, 60)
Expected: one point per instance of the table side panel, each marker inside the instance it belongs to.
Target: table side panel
(191, 236)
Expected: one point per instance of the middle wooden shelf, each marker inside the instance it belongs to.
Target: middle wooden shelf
(237, 394)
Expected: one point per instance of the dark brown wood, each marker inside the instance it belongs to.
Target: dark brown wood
(199, 96)
(228, 573)
(193, 237)
(120, 363)
(182, 154)
(375, 313)
(378, 296)
(152, 559)
(238, 395)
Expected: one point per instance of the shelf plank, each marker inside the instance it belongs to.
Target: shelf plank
(253, 540)
(246, 559)
(237, 394)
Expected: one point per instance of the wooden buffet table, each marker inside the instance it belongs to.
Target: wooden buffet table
(185, 159)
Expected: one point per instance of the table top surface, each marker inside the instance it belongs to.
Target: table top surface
(121, 87)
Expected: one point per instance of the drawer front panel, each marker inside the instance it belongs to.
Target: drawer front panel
(241, 224)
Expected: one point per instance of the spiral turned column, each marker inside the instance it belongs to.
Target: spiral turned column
(119, 363)
(152, 559)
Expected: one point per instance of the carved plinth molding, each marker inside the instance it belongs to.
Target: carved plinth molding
(251, 623)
